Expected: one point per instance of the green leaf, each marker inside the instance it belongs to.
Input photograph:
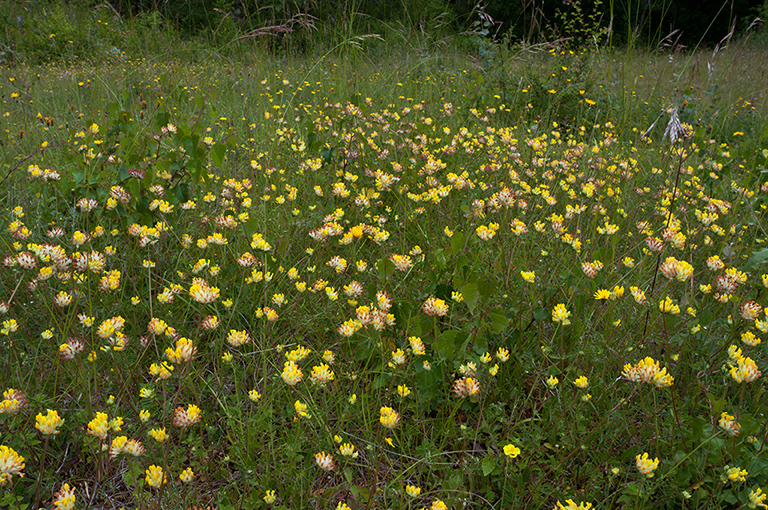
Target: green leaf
(190, 145)
(445, 346)
(498, 320)
(440, 260)
(540, 314)
(458, 239)
(487, 287)
(717, 404)
(444, 291)
(218, 153)
(481, 343)
(161, 119)
(423, 325)
(449, 343)
(489, 464)
(757, 257)
(385, 268)
(471, 295)
(696, 425)
(327, 154)
(251, 226)
(182, 192)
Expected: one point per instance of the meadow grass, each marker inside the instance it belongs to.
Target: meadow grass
(517, 278)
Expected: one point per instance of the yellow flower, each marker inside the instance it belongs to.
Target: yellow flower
(187, 475)
(560, 314)
(301, 409)
(734, 474)
(186, 417)
(158, 435)
(745, 370)
(438, 505)
(155, 476)
(528, 276)
(11, 463)
(389, 417)
(413, 491)
(291, 373)
(645, 465)
(435, 307)
(603, 294)
(99, 426)
(667, 306)
(729, 424)
(269, 498)
(325, 461)
(64, 499)
(511, 451)
(48, 424)
(581, 382)
(648, 371)
(757, 499)
(348, 450)
(552, 382)
(571, 505)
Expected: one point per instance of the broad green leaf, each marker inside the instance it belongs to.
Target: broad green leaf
(498, 320)
(440, 260)
(487, 287)
(251, 226)
(471, 295)
(161, 119)
(218, 153)
(457, 242)
(696, 426)
(757, 257)
(489, 463)
(445, 346)
(385, 268)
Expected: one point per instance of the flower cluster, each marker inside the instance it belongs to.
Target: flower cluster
(648, 371)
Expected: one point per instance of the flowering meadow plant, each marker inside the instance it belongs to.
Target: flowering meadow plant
(249, 287)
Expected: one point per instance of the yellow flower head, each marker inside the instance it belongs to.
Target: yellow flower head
(155, 476)
(389, 417)
(511, 451)
(48, 424)
(645, 465)
(560, 314)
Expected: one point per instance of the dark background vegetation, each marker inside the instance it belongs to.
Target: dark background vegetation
(697, 20)
(38, 30)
